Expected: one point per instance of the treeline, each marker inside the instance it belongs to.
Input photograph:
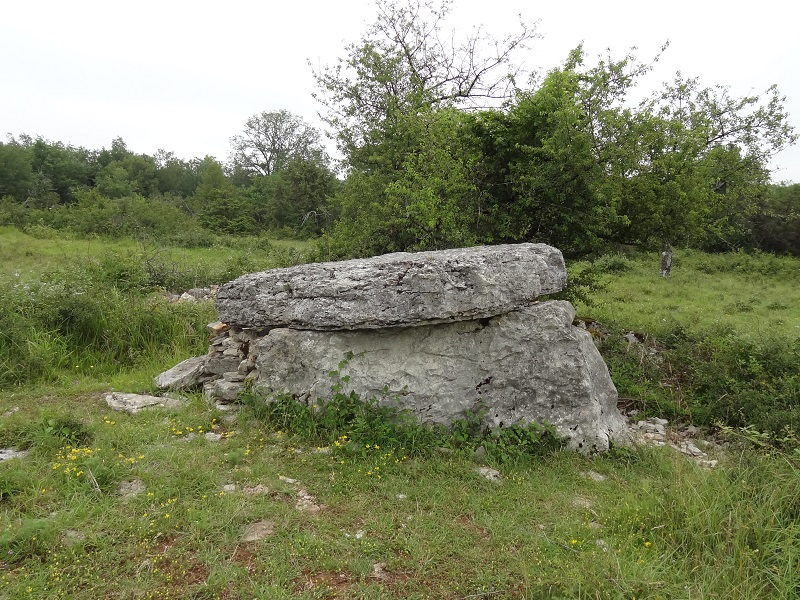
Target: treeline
(119, 193)
(565, 159)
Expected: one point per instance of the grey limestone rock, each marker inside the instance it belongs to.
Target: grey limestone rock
(183, 375)
(394, 290)
(133, 403)
(529, 365)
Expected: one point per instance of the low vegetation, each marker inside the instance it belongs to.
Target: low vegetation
(716, 343)
(355, 500)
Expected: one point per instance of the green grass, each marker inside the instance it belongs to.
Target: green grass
(75, 309)
(721, 337)
(656, 526)
(754, 295)
(26, 257)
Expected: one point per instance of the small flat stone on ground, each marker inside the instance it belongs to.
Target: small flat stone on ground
(133, 403)
(258, 531)
(594, 476)
(128, 489)
(489, 473)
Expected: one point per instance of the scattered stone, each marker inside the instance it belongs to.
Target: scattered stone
(652, 426)
(489, 473)
(306, 502)
(229, 487)
(594, 476)
(203, 294)
(401, 496)
(133, 403)
(128, 489)
(255, 490)
(581, 502)
(288, 479)
(688, 448)
(183, 375)
(653, 432)
(227, 391)
(479, 452)
(379, 572)
(10, 411)
(633, 337)
(395, 289)
(221, 365)
(212, 437)
(258, 531)
(602, 545)
(9, 453)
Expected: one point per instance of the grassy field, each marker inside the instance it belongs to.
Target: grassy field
(376, 514)
(755, 295)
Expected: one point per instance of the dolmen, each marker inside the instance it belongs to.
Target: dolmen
(440, 334)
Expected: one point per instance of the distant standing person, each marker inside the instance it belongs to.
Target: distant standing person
(666, 260)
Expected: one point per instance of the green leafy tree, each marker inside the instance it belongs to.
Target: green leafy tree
(16, 175)
(775, 225)
(572, 164)
(407, 187)
(430, 202)
(175, 176)
(271, 140)
(297, 197)
(220, 206)
(405, 64)
(60, 169)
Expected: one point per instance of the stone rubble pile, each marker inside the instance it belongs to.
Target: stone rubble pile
(654, 432)
(440, 334)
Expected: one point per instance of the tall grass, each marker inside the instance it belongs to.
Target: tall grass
(720, 338)
(95, 307)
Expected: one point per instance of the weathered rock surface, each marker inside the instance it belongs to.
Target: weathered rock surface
(529, 365)
(393, 290)
(184, 374)
(133, 403)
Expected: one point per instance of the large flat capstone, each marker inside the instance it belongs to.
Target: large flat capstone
(529, 365)
(395, 290)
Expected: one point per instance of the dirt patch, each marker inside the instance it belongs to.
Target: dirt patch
(244, 557)
(326, 584)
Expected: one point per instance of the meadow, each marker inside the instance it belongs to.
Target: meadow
(355, 502)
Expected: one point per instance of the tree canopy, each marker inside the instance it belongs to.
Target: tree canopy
(271, 140)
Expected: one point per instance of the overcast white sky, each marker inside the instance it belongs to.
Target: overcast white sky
(184, 76)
